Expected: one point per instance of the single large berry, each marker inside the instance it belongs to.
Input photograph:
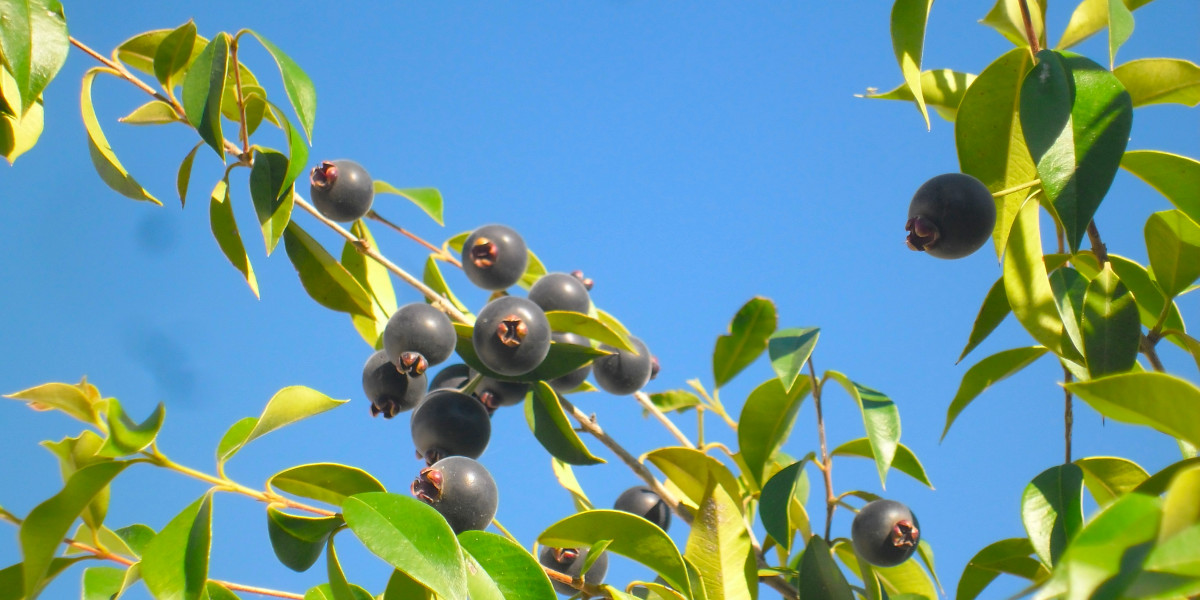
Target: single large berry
(390, 391)
(494, 257)
(494, 393)
(950, 216)
(451, 377)
(623, 372)
(569, 561)
(511, 336)
(461, 490)
(560, 291)
(341, 190)
(572, 380)
(450, 423)
(885, 533)
(643, 502)
(420, 328)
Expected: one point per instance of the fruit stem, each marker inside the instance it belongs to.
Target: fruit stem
(648, 406)
(1034, 47)
(1068, 414)
(241, 100)
(1017, 188)
(440, 252)
(826, 460)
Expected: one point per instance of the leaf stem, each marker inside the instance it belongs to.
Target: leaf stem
(1017, 188)
(127, 76)
(1030, 34)
(1068, 414)
(649, 406)
(440, 252)
(826, 460)
(511, 537)
(241, 100)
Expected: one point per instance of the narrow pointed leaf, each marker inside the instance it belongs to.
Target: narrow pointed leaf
(566, 478)
(993, 311)
(1149, 297)
(176, 561)
(300, 90)
(338, 586)
(789, 350)
(548, 421)
(747, 339)
(588, 327)
(33, 44)
(1005, 557)
(432, 276)
(766, 421)
(296, 540)
(516, 573)
(331, 483)
(185, 174)
(1160, 80)
(1112, 330)
(820, 577)
(690, 469)
(289, 405)
(274, 208)
(427, 199)
(154, 112)
(103, 158)
(375, 279)
(325, 280)
(18, 134)
(1164, 402)
(1026, 284)
(905, 460)
(174, 54)
(943, 90)
(126, 437)
(297, 147)
(203, 87)
(908, 43)
(781, 504)
(70, 399)
(1109, 477)
(881, 420)
(1052, 510)
(1005, 17)
(720, 548)
(225, 230)
(1091, 16)
(1173, 243)
(1070, 292)
(1176, 177)
(1120, 27)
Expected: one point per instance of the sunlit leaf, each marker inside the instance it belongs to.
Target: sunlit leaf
(225, 230)
(1052, 510)
(73, 400)
(905, 460)
(18, 133)
(943, 90)
(987, 372)
(1109, 477)
(1181, 505)
(908, 43)
(34, 44)
(299, 540)
(1005, 557)
(588, 327)
(174, 54)
(1026, 283)
(1173, 244)
(126, 436)
(203, 86)
(747, 339)
(905, 581)
(274, 208)
(1164, 402)
(300, 90)
(1005, 17)
(720, 547)
(562, 358)
(331, 483)
(516, 573)
(185, 173)
(1176, 177)
(789, 350)
(550, 427)
(690, 469)
(1089, 17)
(103, 158)
(325, 280)
(176, 561)
(427, 199)
(1160, 80)
(1111, 326)
(881, 420)
(766, 421)
(401, 586)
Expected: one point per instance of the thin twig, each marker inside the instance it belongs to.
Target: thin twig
(649, 406)
(1147, 347)
(446, 256)
(1030, 34)
(1068, 414)
(1098, 247)
(1017, 188)
(826, 460)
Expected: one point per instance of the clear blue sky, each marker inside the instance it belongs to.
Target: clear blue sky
(686, 156)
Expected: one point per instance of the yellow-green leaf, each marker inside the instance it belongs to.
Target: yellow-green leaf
(103, 158)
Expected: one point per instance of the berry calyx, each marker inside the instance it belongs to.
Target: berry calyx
(390, 391)
(511, 336)
(569, 562)
(412, 364)
(494, 393)
(419, 328)
(885, 533)
(494, 257)
(461, 489)
(450, 423)
(951, 216)
(341, 190)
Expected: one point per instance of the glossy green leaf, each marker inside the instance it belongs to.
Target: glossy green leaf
(109, 539)
(375, 279)
(297, 540)
(427, 199)
(33, 44)
(1052, 510)
(1005, 17)
(1176, 177)
(1109, 477)
(18, 134)
(1120, 27)
(1089, 17)
(103, 158)
(325, 280)
(1111, 326)
(690, 469)
(588, 327)
(203, 87)
(1160, 80)
(331, 483)
(136, 537)
(234, 438)
(273, 207)
(514, 570)
(986, 372)
(908, 44)
(1149, 298)
(820, 577)
(1070, 292)
(943, 90)
(412, 537)
(1181, 505)
(1026, 284)
(748, 333)
(176, 561)
(1005, 557)
(781, 504)
(1164, 402)
(480, 585)
(225, 230)
(73, 400)
(325, 592)
(102, 583)
(297, 147)
(154, 112)
(547, 420)
(12, 580)
(217, 591)
(1076, 117)
(789, 350)
(184, 176)
(287, 406)
(1173, 244)
(719, 546)
(906, 580)
(402, 587)
(674, 400)
(881, 420)
(338, 586)
(990, 141)
(127, 437)
(632, 537)
(300, 90)
(74, 454)
(566, 478)
(432, 276)
(766, 421)
(905, 460)
(993, 311)
(1158, 483)
(174, 54)
(611, 322)
(562, 358)
(1172, 568)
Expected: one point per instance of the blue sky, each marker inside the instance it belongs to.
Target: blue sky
(685, 156)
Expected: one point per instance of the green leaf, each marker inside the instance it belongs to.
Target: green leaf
(185, 174)
(224, 229)
(1160, 80)
(747, 339)
(908, 43)
(1005, 17)
(1076, 117)
(534, 270)
(905, 461)
(1026, 284)
(1173, 244)
(943, 89)
(1052, 510)
(881, 420)
(103, 158)
(103, 536)
(412, 537)
(126, 437)
(1172, 568)
(297, 540)
(432, 277)
(674, 400)
(781, 504)
(338, 586)
(562, 358)
(217, 591)
(789, 350)
(906, 580)
(720, 548)
(820, 577)
(175, 564)
(297, 148)
(1176, 177)
(325, 280)
(136, 537)
(1111, 327)
(331, 483)
(203, 87)
(632, 537)
(402, 587)
(1005, 557)
(427, 199)
(1109, 477)
(566, 478)
(1149, 298)
(1089, 17)
(234, 439)
(588, 327)
(989, 139)
(1158, 483)
(18, 134)
(690, 469)
(479, 582)
(550, 426)
(1070, 292)
(174, 54)
(516, 573)
(47, 524)
(273, 207)
(1181, 505)
(1120, 27)
(154, 112)
(139, 51)
(74, 400)
(1164, 402)
(287, 406)
(300, 90)
(766, 421)
(33, 44)
(325, 592)
(986, 372)
(12, 581)
(102, 583)
(375, 279)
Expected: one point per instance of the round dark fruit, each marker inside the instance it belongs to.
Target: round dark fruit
(885, 533)
(511, 336)
(341, 190)
(572, 380)
(494, 257)
(643, 502)
(494, 393)
(451, 377)
(390, 391)
(420, 328)
(569, 561)
(461, 490)
(950, 216)
(450, 423)
(560, 291)
(623, 372)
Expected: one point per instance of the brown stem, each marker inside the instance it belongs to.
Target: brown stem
(826, 460)
(1098, 247)
(1147, 347)
(1068, 415)
(127, 76)
(649, 406)
(446, 256)
(241, 100)
(1030, 34)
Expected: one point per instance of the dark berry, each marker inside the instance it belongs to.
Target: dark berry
(341, 190)
(494, 393)
(450, 423)
(623, 372)
(951, 216)
(569, 561)
(461, 490)
(560, 291)
(643, 502)
(452, 377)
(494, 257)
(390, 391)
(885, 533)
(571, 380)
(421, 328)
(511, 336)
